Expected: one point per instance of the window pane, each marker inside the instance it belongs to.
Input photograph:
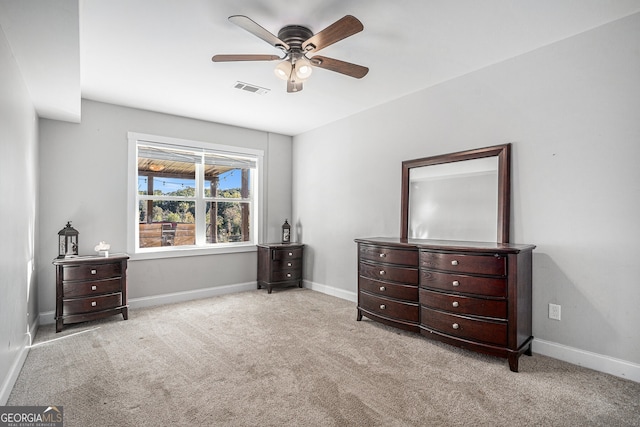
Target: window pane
(231, 224)
(171, 223)
(230, 184)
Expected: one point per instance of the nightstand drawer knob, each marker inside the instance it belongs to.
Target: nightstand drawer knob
(382, 272)
(288, 274)
(93, 272)
(290, 253)
(94, 287)
(382, 288)
(455, 326)
(455, 304)
(383, 255)
(93, 304)
(456, 283)
(382, 306)
(454, 262)
(288, 264)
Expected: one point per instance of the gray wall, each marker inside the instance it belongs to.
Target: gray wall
(571, 111)
(18, 189)
(84, 179)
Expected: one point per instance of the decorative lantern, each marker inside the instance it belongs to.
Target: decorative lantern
(68, 241)
(286, 232)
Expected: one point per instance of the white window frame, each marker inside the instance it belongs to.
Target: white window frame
(257, 216)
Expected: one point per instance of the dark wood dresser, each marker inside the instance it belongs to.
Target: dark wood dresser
(279, 264)
(469, 294)
(90, 288)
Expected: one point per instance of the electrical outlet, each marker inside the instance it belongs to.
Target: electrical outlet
(554, 311)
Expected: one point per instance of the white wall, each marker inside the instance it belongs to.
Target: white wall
(84, 179)
(571, 110)
(18, 181)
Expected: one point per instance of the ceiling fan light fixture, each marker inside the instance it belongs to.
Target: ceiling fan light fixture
(283, 70)
(303, 68)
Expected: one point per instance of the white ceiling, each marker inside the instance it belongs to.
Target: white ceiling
(156, 54)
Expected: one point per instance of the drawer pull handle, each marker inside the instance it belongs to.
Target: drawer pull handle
(382, 272)
(382, 288)
(288, 264)
(454, 262)
(290, 253)
(382, 306)
(93, 272)
(455, 326)
(93, 303)
(94, 287)
(383, 255)
(288, 274)
(455, 304)
(456, 283)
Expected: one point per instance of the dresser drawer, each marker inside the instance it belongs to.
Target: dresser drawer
(390, 290)
(285, 254)
(489, 265)
(484, 286)
(286, 264)
(389, 272)
(281, 276)
(465, 327)
(86, 305)
(91, 271)
(389, 308)
(460, 304)
(75, 289)
(389, 255)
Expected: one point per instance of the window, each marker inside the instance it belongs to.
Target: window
(189, 197)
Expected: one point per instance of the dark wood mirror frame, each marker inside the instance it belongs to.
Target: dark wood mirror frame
(502, 152)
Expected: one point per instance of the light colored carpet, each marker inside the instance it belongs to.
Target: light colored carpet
(298, 358)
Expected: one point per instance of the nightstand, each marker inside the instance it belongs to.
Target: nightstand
(279, 264)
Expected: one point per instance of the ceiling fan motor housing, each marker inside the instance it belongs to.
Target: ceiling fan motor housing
(294, 36)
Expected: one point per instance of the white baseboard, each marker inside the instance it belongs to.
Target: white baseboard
(329, 290)
(190, 295)
(14, 371)
(48, 317)
(598, 362)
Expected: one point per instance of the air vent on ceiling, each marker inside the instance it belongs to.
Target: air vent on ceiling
(251, 88)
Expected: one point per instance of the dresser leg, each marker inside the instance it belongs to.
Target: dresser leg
(125, 313)
(513, 362)
(268, 289)
(359, 318)
(58, 325)
(528, 351)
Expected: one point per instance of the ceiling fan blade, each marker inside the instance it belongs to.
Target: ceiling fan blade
(230, 58)
(341, 29)
(347, 68)
(258, 31)
(293, 87)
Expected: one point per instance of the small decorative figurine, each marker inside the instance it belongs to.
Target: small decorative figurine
(103, 249)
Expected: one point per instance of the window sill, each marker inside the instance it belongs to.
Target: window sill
(173, 252)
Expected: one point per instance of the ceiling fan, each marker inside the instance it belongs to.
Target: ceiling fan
(297, 42)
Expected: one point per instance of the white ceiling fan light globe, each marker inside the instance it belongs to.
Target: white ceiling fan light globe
(303, 68)
(283, 70)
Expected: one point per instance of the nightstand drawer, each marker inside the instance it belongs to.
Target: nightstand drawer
(389, 308)
(87, 305)
(474, 264)
(389, 272)
(285, 254)
(280, 276)
(465, 327)
(75, 289)
(389, 255)
(460, 304)
(91, 271)
(484, 286)
(287, 264)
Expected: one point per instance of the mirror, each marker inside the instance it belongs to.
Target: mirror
(458, 196)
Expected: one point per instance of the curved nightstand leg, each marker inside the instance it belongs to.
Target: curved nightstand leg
(513, 362)
(359, 318)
